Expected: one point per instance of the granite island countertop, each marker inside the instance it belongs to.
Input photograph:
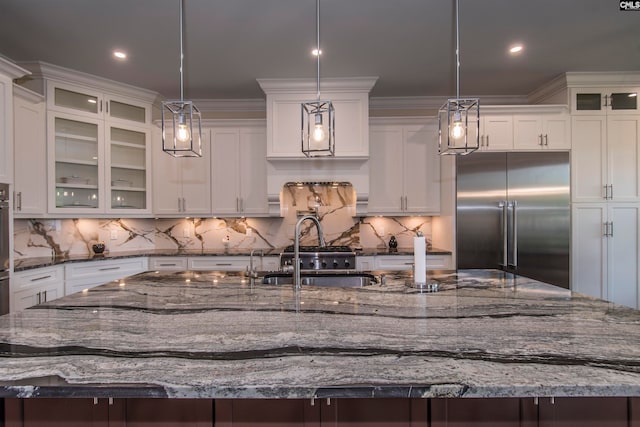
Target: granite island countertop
(484, 334)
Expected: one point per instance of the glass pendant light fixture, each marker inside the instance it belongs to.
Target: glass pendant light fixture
(318, 117)
(459, 118)
(181, 121)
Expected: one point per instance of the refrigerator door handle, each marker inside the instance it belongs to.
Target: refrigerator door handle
(505, 232)
(514, 223)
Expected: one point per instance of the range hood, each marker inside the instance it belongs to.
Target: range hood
(285, 161)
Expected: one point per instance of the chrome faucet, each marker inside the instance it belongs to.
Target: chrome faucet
(253, 272)
(296, 247)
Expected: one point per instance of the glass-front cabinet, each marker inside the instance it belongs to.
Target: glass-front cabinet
(77, 167)
(129, 161)
(101, 161)
(605, 101)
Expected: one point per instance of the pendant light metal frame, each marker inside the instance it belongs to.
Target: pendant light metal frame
(456, 111)
(318, 113)
(181, 113)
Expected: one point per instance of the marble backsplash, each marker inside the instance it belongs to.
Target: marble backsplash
(333, 206)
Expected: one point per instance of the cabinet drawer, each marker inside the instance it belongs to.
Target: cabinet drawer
(166, 263)
(394, 262)
(365, 263)
(107, 270)
(37, 277)
(439, 262)
(219, 263)
(87, 275)
(270, 263)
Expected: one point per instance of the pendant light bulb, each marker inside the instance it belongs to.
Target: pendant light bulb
(182, 134)
(318, 129)
(457, 128)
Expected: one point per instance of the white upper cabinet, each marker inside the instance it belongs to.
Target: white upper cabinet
(350, 99)
(605, 161)
(606, 101)
(181, 185)
(404, 168)
(496, 132)
(541, 132)
(98, 142)
(8, 72)
(91, 102)
(30, 147)
(239, 176)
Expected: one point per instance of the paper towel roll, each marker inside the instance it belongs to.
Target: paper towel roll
(419, 260)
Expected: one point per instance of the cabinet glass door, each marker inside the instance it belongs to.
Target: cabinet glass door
(124, 111)
(76, 100)
(624, 101)
(128, 168)
(76, 164)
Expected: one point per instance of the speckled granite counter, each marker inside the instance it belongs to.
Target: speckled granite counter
(485, 334)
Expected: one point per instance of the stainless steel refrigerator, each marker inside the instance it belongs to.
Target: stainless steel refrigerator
(513, 213)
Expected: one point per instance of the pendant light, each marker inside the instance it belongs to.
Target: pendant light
(181, 118)
(318, 117)
(459, 118)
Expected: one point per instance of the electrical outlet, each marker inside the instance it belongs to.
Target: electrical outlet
(114, 234)
(249, 231)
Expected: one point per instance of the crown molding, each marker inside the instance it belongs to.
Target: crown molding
(227, 105)
(343, 84)
(435, 102)
(45, 70)
(604, 78)
(26, 94)
(11, 69)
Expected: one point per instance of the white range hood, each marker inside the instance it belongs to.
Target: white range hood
(286, 163)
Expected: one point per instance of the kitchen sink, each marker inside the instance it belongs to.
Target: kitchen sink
(342, 280)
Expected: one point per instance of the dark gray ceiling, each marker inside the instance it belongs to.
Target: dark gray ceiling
(409, 44)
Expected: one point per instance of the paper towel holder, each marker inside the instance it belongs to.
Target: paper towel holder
(426, 286)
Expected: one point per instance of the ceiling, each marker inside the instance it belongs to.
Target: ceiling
(408, 44)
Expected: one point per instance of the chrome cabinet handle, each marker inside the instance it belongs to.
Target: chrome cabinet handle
(168, 264)
(45, 296)
(40, 278)
(224, 264)
(546, 140)
(109, 268)
(487, 141)
(611, 230)
(540, 138)
(611, 195)
(515, 234)
(39, 297)
(503, 222)
(179, 205)
(184, 204)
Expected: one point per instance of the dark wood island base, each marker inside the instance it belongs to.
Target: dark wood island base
(359, 412)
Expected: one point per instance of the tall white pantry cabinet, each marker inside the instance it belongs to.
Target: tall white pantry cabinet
(605, 168)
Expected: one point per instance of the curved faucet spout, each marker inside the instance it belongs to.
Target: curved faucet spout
(296, 246)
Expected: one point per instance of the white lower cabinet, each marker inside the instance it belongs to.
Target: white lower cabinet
(605, 254)
(405, 262)
(220, 263)
(166, 263)
(365, 263)
(270, 263)
(36, 286)
(86, 275)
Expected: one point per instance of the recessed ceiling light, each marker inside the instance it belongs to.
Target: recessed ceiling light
(119, 54)
(515, 49)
